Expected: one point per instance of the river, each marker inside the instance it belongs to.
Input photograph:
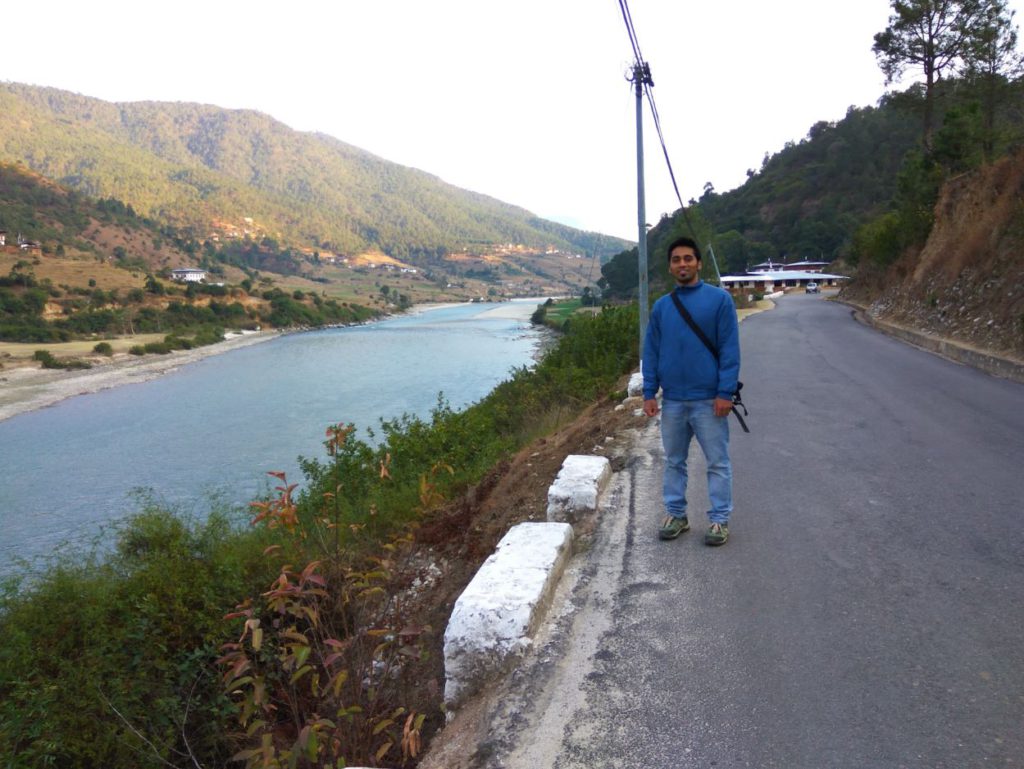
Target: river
(215, 428)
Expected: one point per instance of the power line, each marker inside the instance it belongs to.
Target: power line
(630, 31)
(642, 66)
(668, 162)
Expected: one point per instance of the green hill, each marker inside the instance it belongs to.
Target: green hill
(819, 197)
(211, 171)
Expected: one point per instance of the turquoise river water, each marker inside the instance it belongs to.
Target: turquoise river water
(217, 426)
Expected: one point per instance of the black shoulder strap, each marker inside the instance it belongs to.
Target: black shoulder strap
(736, 398)
(693, 324)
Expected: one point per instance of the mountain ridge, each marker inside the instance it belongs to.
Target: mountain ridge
(190, 164)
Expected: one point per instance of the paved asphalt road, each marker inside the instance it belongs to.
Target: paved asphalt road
(868, 610)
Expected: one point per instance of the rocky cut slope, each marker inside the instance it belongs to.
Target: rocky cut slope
(967, 283)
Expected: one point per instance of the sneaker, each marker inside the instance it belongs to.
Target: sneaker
(672, 527)
(718, 534)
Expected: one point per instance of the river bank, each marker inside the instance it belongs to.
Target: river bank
(27, 388)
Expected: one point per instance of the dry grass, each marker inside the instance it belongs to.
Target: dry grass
(16, 354)
(76, 271)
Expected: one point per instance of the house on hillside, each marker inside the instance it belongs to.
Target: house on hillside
(188, 275)
(28, 245)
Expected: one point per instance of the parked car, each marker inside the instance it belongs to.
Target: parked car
(812, 288)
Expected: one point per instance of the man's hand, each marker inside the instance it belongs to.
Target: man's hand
(651, 407)
(722, 407)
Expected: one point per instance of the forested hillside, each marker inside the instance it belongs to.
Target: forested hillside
(205, 170)
(805, 202)
(856, 192)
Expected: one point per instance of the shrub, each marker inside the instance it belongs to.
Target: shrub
(48, 361)
(111, 663)
(318, 666)
(177, 343)
(209, 335)
(103, 348)
(46, 358)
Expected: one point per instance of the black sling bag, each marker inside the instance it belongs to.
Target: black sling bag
(737, 400)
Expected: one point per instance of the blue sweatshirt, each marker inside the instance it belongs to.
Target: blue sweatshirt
(676, 360)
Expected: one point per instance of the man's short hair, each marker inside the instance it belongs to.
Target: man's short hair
(682, 241)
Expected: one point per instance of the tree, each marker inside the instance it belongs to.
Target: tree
(933, 36)
(154, 286)
(993, 60)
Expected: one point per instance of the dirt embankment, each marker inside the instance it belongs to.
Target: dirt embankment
(967, 283)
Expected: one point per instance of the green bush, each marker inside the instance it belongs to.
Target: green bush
(96, 653)
(31, 330)
(103, 348)
(177, 343)
(209, 335)
(48, 361)
(46, 358)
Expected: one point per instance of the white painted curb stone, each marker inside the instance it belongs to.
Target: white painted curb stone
(577, 487)
(502, 606)
(636, 385)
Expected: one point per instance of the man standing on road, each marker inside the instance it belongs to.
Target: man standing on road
(697, 388)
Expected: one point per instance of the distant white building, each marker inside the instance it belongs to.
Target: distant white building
(188, 275)
(769, 281)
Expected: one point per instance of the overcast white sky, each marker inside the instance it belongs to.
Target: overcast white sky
(525, 101)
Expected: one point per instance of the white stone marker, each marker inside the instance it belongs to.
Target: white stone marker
(577, 487)
(502, 606)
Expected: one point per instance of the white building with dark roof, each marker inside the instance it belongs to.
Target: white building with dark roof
(188, 275)
(770, 281)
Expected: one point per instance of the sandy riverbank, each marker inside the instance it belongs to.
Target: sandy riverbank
(28, 388)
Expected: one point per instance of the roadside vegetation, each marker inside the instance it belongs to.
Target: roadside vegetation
(286, 636)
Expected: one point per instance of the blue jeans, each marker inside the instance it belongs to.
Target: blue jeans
(680, 421)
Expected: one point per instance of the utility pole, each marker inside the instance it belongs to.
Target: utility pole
(641, 77)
